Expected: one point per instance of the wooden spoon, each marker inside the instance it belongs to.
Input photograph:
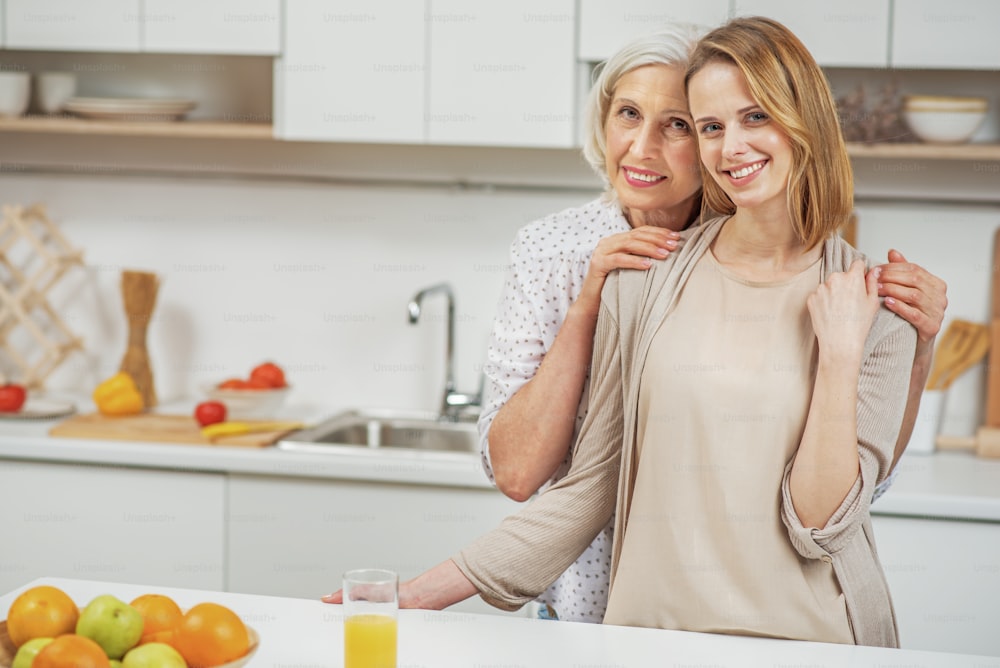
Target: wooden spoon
(975, 351)
(954, 345)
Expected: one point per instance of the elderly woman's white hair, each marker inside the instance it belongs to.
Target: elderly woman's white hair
(670, 45)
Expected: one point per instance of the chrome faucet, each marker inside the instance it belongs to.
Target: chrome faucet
(452, 401)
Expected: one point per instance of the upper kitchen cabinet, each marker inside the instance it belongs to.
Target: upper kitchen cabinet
(71, 25)
(501, 74)
(352, 71)
(959, 34)
(607, 26)
(848, 33)
(233, 27)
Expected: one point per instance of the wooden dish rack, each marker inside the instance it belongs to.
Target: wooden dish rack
(34, 256)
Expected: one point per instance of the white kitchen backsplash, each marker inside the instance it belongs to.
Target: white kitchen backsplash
(956, 243)
(314, 277)
(317, 277)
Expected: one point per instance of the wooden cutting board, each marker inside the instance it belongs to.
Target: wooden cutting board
(992, 418)
(156, 428)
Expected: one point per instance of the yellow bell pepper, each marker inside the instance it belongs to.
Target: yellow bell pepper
(118, 395)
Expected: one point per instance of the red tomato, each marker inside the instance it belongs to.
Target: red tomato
(258, 384)
(269, 373)
(210, 412)
(233, 384)
(12, 397)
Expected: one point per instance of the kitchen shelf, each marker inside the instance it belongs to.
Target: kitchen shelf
(925, 151)
(182, 129)
(235, 130)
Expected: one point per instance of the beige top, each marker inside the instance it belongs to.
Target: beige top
(516, 561)
(710, 462)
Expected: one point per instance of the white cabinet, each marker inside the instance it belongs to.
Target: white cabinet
(959, 34)
(71, 25)
(164, 26)
(606, 26)
(945, 582)
(116, 524)
(847, 33)
(296, 537)
(501, 73)
(237, 27)
(352, 71)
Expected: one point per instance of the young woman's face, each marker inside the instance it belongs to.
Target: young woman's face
(651, 155)
(746, 152)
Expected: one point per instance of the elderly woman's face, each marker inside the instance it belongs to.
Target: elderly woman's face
(651, 153)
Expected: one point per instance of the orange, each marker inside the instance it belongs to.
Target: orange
(160, 616)
(71, 651)
(211, 634)
(41, 612)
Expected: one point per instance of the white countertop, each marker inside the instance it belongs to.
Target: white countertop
(951, 485)
(29, 439)
(300, 632)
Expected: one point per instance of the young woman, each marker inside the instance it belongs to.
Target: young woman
(746, 393)
(640, 140)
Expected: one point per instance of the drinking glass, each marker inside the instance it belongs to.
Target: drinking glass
(371, 607)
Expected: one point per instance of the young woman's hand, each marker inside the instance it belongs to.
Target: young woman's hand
(843, 309)
(913, 293)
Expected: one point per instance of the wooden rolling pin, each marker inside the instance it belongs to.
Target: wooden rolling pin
(986, 442)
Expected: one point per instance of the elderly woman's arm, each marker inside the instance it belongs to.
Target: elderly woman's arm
(529, 435)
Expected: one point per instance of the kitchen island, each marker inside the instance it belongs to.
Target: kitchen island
(276, 522)
(299, 632)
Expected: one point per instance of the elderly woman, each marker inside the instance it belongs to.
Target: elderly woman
(640, 140)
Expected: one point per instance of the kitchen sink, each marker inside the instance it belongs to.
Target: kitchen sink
(388, 430)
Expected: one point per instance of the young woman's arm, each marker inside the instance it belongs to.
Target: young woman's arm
(826, 464)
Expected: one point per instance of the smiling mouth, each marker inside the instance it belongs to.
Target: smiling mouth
(644, 177)
(743, 172)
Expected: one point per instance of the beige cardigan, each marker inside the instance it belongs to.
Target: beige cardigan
(513, 563)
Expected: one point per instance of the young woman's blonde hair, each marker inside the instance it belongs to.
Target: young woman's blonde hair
(786, 82)
(670, 45)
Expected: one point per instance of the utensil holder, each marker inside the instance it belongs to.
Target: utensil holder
(928, 422)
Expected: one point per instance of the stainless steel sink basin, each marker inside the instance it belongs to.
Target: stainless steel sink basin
(374, 429)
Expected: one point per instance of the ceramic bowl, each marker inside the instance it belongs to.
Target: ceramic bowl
(15, 93)
(248, 404)
(944, 120)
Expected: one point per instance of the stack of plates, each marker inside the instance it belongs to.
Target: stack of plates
(129, 109)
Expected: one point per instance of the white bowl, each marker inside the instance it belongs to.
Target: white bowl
(944, 103)
(942, 119)
(246, 404)
(15, 93)
(944, 127)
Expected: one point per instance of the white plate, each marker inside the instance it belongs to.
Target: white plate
(40, 409)
(129, 109)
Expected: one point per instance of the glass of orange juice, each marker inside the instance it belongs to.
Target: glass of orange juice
(371, 606)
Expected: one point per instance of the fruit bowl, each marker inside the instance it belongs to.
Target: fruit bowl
(7, 649)
(249, 403)
(944, 120)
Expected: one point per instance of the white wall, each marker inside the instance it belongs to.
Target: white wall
(317, 276)
(314, 276)
(956, 243)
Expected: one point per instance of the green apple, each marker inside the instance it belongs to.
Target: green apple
(113, 624)
(115, 663)
(153, 655)
(27, 652)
